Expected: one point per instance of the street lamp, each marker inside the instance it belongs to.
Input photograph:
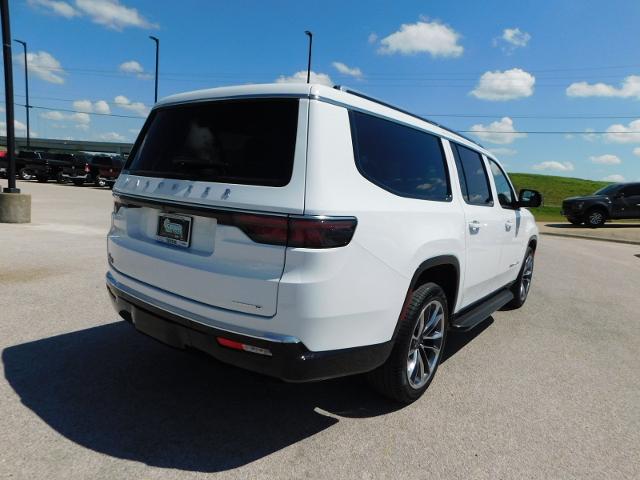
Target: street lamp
(157, 40)
(310, 35)
(26, 86)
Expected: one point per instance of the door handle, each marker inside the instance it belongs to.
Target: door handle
(474, 226)
(507, 225)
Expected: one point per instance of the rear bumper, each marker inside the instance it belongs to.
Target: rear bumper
(289, 360)
(73, 176)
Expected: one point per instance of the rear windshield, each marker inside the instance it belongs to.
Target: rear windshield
(250, 142)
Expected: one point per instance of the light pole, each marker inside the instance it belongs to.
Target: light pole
(26, 87)
(157, 40)
(8, 98)
(310, 35)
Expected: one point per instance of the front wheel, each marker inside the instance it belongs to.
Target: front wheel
(521, 286)
(25, 174)
(417, 352)
(100, 182)
(595, 218)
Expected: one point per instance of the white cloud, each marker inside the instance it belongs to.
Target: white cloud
(19, 128)
(301, 77)
(619, 133)
(630, 88)
(137, 107)
(507, 152)
(556, 166)
(347, 70)
(501, 132)
(101, 106)
(511, 39)
(606, 159)
(372, 38)
(82, 126)
(62, 9)
(507, 85)
(109, 13)
(80, 118)
(85, 106)
(53, 115)
(131, 66)
(636, 151)
(614, 178)
(43, 65)
(112, 137)
(434, 38)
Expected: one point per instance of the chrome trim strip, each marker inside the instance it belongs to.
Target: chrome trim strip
(193, 317)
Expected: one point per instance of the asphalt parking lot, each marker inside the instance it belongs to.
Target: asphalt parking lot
(549, 391)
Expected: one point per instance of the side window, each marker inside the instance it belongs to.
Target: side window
(402, 160)
(506, 197)
(631, 190)
(473, 176)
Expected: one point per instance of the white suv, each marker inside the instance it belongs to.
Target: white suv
(309, 232)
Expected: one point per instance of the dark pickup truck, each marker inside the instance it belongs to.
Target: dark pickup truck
(47, 166)
(101, 170)
(22, 157)
(615, 201)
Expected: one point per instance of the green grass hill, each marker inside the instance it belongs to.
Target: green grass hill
(554, 190)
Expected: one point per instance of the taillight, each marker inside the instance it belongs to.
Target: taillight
(320, 232)
(262, 228)
(301, 232)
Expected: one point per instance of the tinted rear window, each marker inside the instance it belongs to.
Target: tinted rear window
(250, 142)
(400, 159)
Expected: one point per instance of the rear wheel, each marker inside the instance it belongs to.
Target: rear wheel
(417, 352)
(521, 286)
(100, 182)
(596, 218)
(25, 174)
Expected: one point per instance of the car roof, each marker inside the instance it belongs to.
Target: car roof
(336, 95)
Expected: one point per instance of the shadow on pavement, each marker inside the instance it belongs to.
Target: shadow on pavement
(120, 393)
(570, 226)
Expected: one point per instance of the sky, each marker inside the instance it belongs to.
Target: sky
(550, 86)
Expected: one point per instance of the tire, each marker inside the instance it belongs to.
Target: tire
(25, 174)
(100, 182)
(575, 221)
(419, 342)
(42, 178)
(78, 183)
(595, 218)
(522, 285)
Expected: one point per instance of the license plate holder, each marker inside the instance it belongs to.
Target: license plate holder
(174, 229)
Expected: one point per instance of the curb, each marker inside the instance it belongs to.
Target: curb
(599, 239)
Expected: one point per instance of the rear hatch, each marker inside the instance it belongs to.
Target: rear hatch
(202, 204)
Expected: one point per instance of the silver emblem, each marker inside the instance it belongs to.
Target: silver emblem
(226, 194)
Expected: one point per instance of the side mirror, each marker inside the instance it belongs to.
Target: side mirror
(529, 198)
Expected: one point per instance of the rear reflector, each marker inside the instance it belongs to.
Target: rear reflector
(225, 342)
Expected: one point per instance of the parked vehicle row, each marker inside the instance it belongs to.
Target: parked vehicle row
(79, 168)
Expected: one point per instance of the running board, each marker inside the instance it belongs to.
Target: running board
(480, 312)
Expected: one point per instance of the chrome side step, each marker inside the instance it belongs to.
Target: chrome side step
(471, 317)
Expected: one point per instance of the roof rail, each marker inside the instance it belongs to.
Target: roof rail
(342, 88)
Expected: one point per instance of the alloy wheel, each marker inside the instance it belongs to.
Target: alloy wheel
(425, 347)
(527, 276)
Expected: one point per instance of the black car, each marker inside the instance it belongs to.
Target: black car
(615, 201)
(86, 168)
(46, 166)
(21, 158)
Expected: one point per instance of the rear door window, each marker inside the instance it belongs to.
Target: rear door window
(247, 142)
(402, 160)
(472, 174)
(506, 196)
